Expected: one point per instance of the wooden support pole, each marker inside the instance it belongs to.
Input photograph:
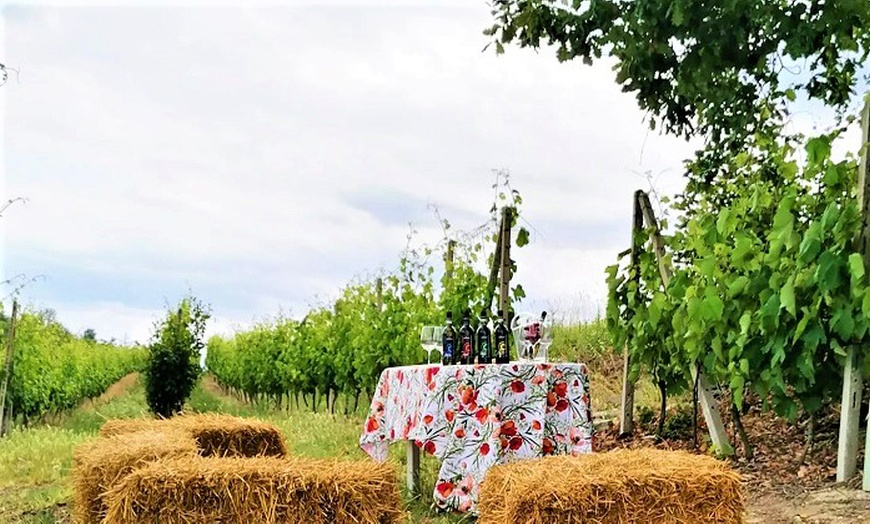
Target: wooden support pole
(626, 413)
(496, 266)
(504, 292)
(850, 407)
(6, 416)
(448, 259)
(413, 469)
(379, 293)
(708, 403)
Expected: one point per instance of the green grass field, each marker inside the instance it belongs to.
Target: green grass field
(35, 462)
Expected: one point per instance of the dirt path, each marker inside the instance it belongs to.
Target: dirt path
(824, 506)
(119, 388)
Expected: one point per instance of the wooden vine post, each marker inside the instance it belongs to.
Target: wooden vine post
(505, 260)
(626, 413)
(718, 435)
(500, 272)
(6, 416)
(850, 407)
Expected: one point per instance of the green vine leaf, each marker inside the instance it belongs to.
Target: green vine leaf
(522, 237)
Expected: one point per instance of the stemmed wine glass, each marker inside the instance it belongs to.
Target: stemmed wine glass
(430, 338)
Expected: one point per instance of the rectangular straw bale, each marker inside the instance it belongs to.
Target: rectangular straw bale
(126, 426)
(223, 435)
(215, 435)
(621, 486)
(263, 490)
(99, 464)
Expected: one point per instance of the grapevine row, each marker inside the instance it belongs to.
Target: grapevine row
(343, 347)
(53, 370)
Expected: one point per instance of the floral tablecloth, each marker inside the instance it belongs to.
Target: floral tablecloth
(473, 417)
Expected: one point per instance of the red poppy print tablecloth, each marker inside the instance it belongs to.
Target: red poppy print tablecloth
(473, 417)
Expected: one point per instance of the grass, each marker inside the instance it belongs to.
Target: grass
(592, 345)
(35, 462)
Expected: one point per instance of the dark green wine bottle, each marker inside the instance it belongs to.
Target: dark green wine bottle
(448, 342)
(502, 340)
(484, 340)
(466, 340)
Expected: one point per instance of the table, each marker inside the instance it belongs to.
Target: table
(473, 417)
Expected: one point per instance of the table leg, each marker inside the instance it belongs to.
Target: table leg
(413, 469)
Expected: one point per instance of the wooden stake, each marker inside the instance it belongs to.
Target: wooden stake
(379, 293)
(504, 293)
(626, 413)
(496, 267)
(850, 407)
(448, 259)
(413, 469)
(7, 375)
(708, 403)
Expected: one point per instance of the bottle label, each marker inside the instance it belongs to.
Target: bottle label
(448, 349)
(466, 348)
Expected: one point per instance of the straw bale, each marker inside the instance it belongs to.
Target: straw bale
(125, 426)
(99, 464)
(621, 486)
(262, 490)
(223, 435)
(215, 435)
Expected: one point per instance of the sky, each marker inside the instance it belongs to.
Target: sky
(263, 157)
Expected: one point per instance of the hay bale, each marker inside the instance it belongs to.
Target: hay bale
(125, 426)
(100, 464)
(623, 486)
(215, 435)
(262, 490)
(227, 436)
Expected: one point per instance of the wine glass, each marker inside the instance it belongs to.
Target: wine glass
(430, 338)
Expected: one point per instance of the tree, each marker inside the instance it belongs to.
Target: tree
(90, 335)
(173, 364)
(705, 68)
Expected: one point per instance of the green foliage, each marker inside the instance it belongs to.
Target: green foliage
(767, 289)
(585, 342)
(53, 370)
(173, 357)
(705, 67)
(372, 325)
(90, 335)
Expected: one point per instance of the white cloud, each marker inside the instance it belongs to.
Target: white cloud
(227, 149)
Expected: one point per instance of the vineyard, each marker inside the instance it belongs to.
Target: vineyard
(374, 324)
(54, 370)
(734, 338)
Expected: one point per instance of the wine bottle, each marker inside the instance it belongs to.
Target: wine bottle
(484, 340)
(466, 340)
(502, 347)
(448, 342)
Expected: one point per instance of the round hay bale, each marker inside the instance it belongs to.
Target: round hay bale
(262, 490)
(623, 486)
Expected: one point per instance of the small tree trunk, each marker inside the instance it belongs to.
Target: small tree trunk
(355, 401)
(663, 390)
(811, 435)
(744, 438)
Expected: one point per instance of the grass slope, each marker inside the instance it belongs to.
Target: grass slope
(35, 462)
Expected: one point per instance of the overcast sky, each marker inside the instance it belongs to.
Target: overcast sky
(264, 157)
